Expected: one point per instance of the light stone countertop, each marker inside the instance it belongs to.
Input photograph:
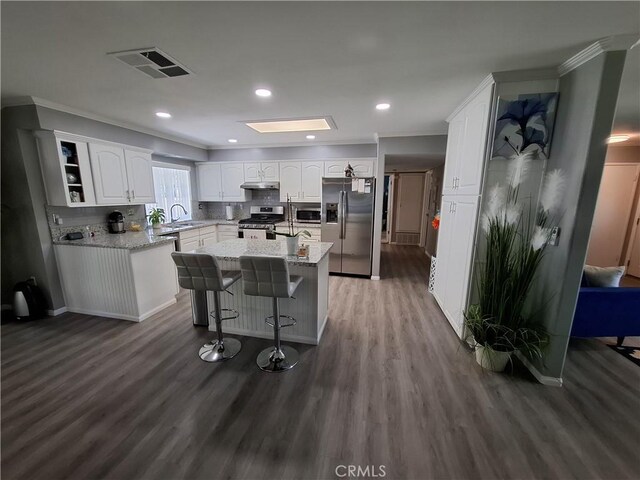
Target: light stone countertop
(301, 225)
(127, 240)
(190, 225)
(233, 249)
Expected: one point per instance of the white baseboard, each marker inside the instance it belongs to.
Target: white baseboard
(268, 335)
(153, 311)
(375, 277)
(543, 379)
(57, 311)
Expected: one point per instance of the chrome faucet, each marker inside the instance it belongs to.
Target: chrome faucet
(171, 211)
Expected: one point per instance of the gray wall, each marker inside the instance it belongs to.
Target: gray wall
(585, 115)
(311, 152)
(417, 145)
(66, 122)
(26, 244)
(26, 241)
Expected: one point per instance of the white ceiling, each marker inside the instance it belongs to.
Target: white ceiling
(332, 58)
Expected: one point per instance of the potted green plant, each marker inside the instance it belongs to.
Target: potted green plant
(291, 236)
(156, 217)
(515, 244)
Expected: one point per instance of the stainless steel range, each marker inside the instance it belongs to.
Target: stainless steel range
(262, 223)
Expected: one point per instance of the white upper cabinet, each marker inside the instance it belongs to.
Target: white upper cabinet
(209, 182)
(252, 172)
(454, 138)
(232, 176)
(121, 176)
(81, 171)
(261, 172)
(474, 144)
(311, 181)
(290, 181)
(270, 171)
(140, 177)
(109, 170)
(467, 146)
(361, 167)
(66, 169)
(301, 181)
(220, 182)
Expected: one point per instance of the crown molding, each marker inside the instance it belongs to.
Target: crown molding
(488, 80)
(615, 42)
(41, 102)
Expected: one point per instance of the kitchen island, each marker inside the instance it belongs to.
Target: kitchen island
(129, 276)
(309, 307)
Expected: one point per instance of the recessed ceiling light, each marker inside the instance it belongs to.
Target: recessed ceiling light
(291, 125)
(232, 140)
(311, 137)
(163, 115)
(263, 92)
(383, 106)
(617, 138)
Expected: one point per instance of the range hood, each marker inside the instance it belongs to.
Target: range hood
(261, 185)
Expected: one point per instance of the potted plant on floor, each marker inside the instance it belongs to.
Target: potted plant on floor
(291, 236)
(156, 217)
(515, 244)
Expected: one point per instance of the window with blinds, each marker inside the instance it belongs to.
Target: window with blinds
(172, 185)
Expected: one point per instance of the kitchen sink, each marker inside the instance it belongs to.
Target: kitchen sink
(183, 224)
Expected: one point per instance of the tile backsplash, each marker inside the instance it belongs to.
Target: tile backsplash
(94, 219)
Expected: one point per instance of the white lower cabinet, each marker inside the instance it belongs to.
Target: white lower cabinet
(456, 241)
(227, 232)
(316, 234)
(197, 238)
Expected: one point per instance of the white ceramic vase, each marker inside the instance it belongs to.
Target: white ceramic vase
(491, 359)
(292, 245)
(156, 226)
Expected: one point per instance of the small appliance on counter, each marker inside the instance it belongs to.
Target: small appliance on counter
(29, 302)
(116, 222)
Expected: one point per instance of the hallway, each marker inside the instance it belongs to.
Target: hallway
(86, 397)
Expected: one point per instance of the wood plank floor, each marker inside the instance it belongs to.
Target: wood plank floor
(85, 397)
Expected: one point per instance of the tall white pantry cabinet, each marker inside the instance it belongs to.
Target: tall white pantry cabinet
(469, 145)
(466, 149)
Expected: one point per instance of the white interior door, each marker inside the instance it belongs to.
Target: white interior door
(140, 177)
(109, 174)
(409, 202)
(613, 211)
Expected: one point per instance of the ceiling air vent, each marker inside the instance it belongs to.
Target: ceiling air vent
(153, 62)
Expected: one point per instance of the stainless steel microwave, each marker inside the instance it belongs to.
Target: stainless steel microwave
(308, 215)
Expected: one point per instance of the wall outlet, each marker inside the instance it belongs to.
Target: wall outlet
(554, 239)
(200, 206)
(130, 212)
(56, 219)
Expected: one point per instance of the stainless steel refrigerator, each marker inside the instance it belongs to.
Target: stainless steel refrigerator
(347, 221)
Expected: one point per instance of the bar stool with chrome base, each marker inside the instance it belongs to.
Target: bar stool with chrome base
(268, 276)
(200, 271)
